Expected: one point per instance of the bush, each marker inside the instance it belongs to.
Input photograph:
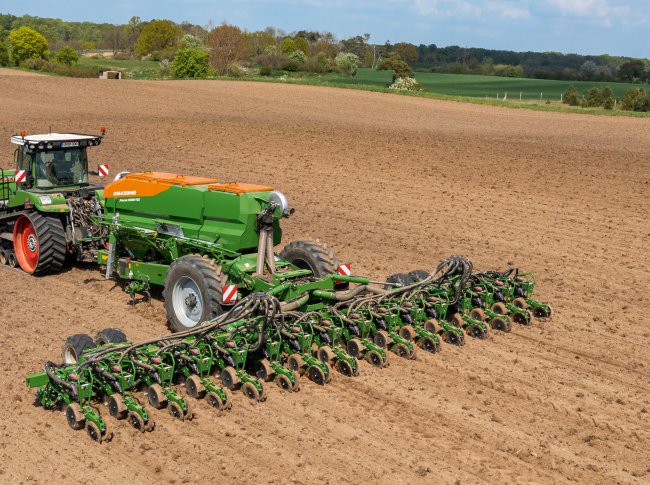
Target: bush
(122, 56)
(298, 56)
(190, 63)
(292, 65)
(4, 54)
(598, 97)
(406, 84)
(37, 64)
(235, 70)
(266, 71)
(401, 70)
(636, 99)
(67, 55)
(507, 70)
(347, 62)
(318, 64)
(26, 43)
(189, 41)
(165, 68)
(571, 96)
(274, 61)
(161, 55)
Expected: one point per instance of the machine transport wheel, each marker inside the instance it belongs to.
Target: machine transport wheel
(136, 421)
(428, 344)
(500, 308)
(355, 348)
(345, 368)
(400, 278)
(110, 336)
(265, 371)
(540, 312)
(230, 379)
(326, 355)
(215, 401)
(94, 432)
(419, 274)
(315, 256)
(478, 314)
(116, 406)
(317, 375)
(250, 391)
(73, 415)
(176, 411)
(156, 397)
(4, 260)
(407, 332)
(283, 382)
(11, 259)
(296, 363)
(192, 292)
(431, 326)
(74, 346)
(375, 359)
(382, 339)
(39, 243)
(520, 303)
(194, 387)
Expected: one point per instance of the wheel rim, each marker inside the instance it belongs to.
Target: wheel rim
(187, 302)
(26, 244)
(69, 356)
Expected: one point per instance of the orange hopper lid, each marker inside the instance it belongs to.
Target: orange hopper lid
(239, 188)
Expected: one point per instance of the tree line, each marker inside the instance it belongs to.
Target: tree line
(160, 39)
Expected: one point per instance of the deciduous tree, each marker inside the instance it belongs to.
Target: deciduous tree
(26, 43)
(157, 35)
(227, 45)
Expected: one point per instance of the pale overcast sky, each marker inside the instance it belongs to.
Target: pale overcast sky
(579, 26)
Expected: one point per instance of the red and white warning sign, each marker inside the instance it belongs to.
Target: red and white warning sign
(229, 294)
(20, 176)
(103, 170)
(344, 269)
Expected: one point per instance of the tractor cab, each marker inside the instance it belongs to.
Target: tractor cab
(53, 161)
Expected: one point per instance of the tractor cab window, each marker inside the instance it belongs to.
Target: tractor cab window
(61, 168)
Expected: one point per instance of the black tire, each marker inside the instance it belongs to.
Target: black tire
(419, 274)
(74, 346)
(50, 237)
(315, 256)
(204, 276)
(401, 278)
(110, 336)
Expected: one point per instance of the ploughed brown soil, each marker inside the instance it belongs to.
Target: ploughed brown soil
(393, 184)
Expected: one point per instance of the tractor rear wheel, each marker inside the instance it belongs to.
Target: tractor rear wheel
(39, 243)
(315, 256)
(192, 292)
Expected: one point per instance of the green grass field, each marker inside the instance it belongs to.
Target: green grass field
(134, 69)
(482, 86)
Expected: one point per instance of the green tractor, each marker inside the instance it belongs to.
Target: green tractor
(47, 201)
(206, 244)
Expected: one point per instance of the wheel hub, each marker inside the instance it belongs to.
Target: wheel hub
(191, 301)
(31, 243)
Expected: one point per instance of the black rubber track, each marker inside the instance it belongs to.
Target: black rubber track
(313, 255)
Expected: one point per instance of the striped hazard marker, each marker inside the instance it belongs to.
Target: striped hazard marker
(229, 294)
(103, 170)
(20, 176)
(344, 269)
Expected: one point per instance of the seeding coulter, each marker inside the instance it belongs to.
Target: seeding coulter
(262, 339)
(241, 314)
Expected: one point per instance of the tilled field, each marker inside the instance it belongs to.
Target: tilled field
(392, 183)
